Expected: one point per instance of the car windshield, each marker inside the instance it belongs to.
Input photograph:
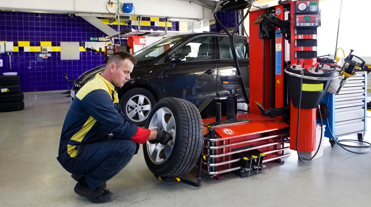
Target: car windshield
(156, 49)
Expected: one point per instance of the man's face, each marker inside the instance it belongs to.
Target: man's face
(122, 73)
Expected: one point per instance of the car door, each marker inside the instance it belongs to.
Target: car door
(194, 77)
(226, 65)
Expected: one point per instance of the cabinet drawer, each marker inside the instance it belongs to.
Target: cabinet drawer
(351, 103)
(349, 97)
(347, 127)
(349, 114)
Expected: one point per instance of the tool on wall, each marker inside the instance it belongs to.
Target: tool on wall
(44, 53)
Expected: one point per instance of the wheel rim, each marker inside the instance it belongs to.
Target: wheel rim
(138, 108)
(162, 119)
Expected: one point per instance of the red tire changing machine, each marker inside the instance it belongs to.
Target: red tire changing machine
(282, 109)
(244, 142)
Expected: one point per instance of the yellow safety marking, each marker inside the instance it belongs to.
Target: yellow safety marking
(45, 44)
(56, 49)
(108, 43)
(178, 179)
(82, 49)
(145, 23)
(254, 156)
(245, 158)
(159, 178)
(312, 87)
(162, 24)
(262, 154)
(35, 49)
(278, 81)
(154, 19)
(133, 18)
(23, 43)
(204, 157)
(15, 49)
(106, 21)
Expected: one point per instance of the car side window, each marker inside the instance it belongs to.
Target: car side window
(225, 51)
(196, 50)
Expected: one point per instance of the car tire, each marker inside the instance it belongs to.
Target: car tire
(7, 98)
(9, 89)
(183, 121)
(9, 79)
(136, 104)
(14, 106)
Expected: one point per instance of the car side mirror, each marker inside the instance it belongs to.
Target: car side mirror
(176, 58)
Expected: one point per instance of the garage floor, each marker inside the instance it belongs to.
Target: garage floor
(31, 176)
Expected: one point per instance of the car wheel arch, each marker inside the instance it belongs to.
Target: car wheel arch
(153, 92)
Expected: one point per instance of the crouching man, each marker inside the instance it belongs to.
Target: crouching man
(97, 139)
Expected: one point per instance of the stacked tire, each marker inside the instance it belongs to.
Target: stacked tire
(11, 97)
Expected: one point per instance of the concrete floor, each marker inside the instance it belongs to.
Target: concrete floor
(31, 176)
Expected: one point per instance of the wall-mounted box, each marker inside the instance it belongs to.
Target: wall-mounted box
(9, 47)
(70, 51)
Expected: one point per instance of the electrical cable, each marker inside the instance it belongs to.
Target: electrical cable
(337, 36)
(342, 145)
(243, 26)
(91, 50)
(297, 126)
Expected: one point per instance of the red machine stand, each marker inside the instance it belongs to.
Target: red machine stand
(230, 144)
(307, 129)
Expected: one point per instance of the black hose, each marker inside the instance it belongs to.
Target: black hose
(231, 39)
(297, 127)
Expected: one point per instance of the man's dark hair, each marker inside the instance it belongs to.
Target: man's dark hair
(118, 56)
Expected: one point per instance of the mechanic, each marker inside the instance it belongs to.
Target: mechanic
(97, 140)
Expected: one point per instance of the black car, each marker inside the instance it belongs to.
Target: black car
(185, 66)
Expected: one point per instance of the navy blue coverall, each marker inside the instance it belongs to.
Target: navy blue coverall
(87, 146)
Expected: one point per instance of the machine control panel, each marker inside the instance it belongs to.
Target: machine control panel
(307, 21)
(306, 7)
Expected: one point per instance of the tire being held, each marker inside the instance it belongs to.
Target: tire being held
(183, 121)
(136, 104)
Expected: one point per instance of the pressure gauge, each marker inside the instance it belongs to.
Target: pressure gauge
(302, 6)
